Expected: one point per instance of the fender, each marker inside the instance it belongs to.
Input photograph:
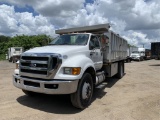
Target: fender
(80, 60)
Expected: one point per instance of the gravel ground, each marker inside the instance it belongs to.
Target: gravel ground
(134, 97)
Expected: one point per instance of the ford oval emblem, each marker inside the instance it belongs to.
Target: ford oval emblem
(33, 65)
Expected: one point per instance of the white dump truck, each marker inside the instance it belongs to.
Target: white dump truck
(14, 54)
(138, 54)
(78, 60)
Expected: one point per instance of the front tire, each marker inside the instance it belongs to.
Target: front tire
(13, 60)
(82, 97)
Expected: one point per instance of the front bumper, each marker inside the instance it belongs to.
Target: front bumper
(46, 87)
(135, 58)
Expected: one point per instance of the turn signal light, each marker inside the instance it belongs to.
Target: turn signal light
(76, 71)
(72, 71)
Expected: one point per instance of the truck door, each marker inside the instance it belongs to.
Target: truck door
(95, 52)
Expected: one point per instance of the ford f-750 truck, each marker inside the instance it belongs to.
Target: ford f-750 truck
(74, 63)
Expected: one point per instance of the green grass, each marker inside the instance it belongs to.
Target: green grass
(2, 57)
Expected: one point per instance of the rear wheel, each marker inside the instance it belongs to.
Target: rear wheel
(120, 69)
(128, 60)
(13, 60)
(10, 59)
(82, 97)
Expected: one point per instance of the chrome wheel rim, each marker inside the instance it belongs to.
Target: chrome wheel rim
(86, 91)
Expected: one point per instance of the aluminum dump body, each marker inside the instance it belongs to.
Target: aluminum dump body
(114, 50)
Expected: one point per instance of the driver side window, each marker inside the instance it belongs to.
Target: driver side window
(94, 43)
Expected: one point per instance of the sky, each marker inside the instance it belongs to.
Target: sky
(138, 21)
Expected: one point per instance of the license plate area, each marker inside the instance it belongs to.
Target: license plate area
(33, 84)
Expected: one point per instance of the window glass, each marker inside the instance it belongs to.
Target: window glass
(17, 49)
(71, 39)
(135, 52)
(94, 42)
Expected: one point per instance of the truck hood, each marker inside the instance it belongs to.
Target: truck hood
(61, 49)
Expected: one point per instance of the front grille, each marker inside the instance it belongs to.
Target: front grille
(34, 71)
(134, 56)
(35, 58)
(37, 66)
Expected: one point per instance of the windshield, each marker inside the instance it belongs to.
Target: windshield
(71, 39)
(135, 52)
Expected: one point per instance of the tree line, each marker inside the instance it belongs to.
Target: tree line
(24, 41)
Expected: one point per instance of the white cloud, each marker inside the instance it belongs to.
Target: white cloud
(138, 39)
(13, 23)
(137, 14)
(51, 8)
(63, 8)
(83, 18)
(7, 19)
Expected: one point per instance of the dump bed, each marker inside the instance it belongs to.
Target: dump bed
(116, 49)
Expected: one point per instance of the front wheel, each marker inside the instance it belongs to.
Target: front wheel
(82, 97)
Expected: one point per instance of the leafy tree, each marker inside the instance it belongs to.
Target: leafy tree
(24, 41)
(3, 43)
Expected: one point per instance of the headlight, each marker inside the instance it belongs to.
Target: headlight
(17, 65)
(72, 70)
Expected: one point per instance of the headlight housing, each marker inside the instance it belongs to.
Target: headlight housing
(72, 70)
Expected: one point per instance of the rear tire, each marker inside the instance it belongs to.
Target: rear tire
(82, 97)
(129, 60)
(120, 69)
(13, 60)
(10, 59)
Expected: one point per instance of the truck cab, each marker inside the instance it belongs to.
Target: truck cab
(138, 54)
(14, 54)
(83, 44)
(74, 63)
